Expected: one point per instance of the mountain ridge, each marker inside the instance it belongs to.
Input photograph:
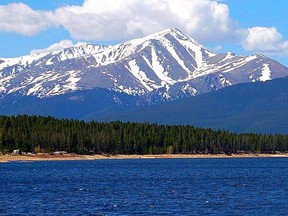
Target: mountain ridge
(243, 108)
(167, 65)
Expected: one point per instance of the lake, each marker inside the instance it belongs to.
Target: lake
(254, 186)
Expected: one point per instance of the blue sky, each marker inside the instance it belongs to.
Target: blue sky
(241, 26)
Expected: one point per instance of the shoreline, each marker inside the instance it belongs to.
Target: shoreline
(66, 157)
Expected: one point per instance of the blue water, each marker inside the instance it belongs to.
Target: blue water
(145, 187)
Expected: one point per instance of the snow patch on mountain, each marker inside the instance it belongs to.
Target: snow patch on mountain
(189, 89)
(159, 69)
(266, 73)
(139, 74)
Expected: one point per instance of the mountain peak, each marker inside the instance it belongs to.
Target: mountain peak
(172, 32)
(169, 31)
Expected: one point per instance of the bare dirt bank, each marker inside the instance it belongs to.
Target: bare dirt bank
(49, 157)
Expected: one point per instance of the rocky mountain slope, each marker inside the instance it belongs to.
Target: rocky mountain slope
(165, 66)
(250, 107)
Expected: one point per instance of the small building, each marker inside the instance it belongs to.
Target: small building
(16, 152)
(60, 152)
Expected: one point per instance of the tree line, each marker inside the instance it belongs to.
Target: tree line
(48, 134)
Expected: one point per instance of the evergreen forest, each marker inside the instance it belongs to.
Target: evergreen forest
(47, 134)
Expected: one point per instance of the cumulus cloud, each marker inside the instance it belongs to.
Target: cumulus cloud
(205, 20)
(104, 20)
(266, 40)
(21, 19)
(57, 46)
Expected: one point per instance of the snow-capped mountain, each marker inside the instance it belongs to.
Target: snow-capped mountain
(164, 66)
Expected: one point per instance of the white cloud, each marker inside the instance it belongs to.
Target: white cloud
(21, 19)
(106, 20)
(57, 46)
(205, 20)
(266, 40)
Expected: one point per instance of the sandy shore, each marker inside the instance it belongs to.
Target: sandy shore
(48, 157)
